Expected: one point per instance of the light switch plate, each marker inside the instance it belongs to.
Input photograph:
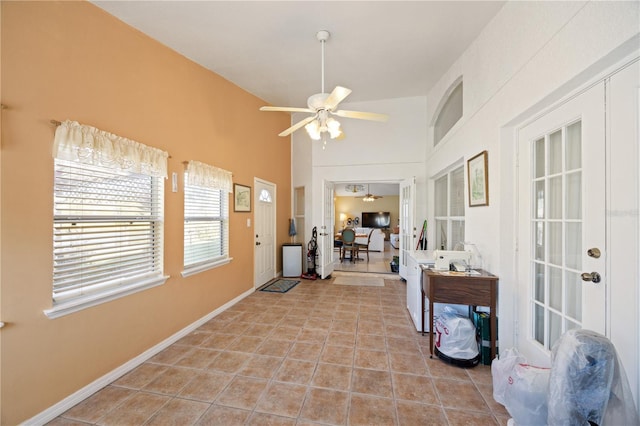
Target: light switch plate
(248, 223)
(174, 182)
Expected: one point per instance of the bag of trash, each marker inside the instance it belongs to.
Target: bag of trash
(456, 339)
(521, 388)
(588, 384)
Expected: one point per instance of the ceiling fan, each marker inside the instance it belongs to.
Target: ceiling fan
(370, 197)
(324, 106)
(354, 188)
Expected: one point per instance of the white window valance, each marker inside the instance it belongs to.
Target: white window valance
(88, 145)
(200, 174)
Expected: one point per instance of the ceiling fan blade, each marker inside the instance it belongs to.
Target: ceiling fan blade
(361, 115)
(285, 109)
(296, 126)
(337, 96)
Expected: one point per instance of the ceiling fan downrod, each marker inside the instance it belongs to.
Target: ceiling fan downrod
(322, 36)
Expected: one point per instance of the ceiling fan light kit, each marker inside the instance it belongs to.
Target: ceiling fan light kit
(323, 106)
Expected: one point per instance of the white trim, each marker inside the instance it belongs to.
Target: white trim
(75, 305)
(192, 270)
(57, 409)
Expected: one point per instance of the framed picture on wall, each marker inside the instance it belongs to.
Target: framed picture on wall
(241, 198)
(478, 180)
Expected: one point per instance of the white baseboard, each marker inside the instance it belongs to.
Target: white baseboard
(82, 394)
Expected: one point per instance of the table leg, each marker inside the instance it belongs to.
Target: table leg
(431, 330)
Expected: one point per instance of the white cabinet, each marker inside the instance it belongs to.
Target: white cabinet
(414, 286)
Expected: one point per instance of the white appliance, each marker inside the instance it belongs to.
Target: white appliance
(291, 260)
(414, 289)
(414, 285)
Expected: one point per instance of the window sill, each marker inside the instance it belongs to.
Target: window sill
(192, 270)
(68, 307)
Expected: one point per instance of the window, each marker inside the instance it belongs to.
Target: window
(108, 202)
(449, 113)
(206, 217)
(449, 209)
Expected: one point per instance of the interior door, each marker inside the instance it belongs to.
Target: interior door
(561, 225)
(264, 200)
(325, 235)
(407, 225)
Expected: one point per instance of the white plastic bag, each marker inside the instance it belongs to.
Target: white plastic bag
(456, 335)
(526, 395)
(501, 368)
(521, 388)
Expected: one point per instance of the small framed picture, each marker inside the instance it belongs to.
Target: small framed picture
(241, 198)
(478, 180)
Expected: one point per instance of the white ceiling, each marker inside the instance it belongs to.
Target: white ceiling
(379, 49)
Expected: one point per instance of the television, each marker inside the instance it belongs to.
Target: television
(376, 219)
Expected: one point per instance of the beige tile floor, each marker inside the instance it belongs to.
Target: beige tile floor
(378, 261)
(321, 354)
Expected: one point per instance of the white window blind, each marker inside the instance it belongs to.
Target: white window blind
(206, 217)
(108, 229)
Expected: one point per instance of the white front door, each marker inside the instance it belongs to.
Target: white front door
(325, 235)
(407, 225)
(264, 200)
(561, 190)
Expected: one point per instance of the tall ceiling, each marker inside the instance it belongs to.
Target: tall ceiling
(379, 49)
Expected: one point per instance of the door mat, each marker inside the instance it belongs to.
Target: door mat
(359, 280)
(280, 286)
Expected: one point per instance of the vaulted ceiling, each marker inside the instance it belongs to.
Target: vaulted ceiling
(379, 49)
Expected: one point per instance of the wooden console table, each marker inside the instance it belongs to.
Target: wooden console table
(451, 287)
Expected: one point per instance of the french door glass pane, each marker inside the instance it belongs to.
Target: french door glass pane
(539, 158)
(573, 196)
(555, 327)
(538, 202)
(555, 197)
(555, 288)
(538, 323)
(573, 306)
(539, 241)
(573, 251)
(555, 152)
(539, 282)
(555, 243)
(574, 146)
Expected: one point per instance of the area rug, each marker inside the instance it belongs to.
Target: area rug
(359, 280)
(280, 286)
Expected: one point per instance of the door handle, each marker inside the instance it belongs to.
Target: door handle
(323, 234)
(594, 252)
(257, 243)
(594, 277)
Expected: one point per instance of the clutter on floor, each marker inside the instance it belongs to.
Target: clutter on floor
(586, 384)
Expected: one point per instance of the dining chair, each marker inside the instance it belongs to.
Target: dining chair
(349, 244)
(365, 247)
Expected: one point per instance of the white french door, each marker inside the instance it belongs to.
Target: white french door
(264, 200)
(561, 237)
(407, 225)
(325, 234)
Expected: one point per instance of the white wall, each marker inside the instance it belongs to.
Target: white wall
(530, 55)
(371, 151)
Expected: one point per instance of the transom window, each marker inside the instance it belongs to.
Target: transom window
(449, 114)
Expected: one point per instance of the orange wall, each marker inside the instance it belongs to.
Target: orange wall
(71, 60)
